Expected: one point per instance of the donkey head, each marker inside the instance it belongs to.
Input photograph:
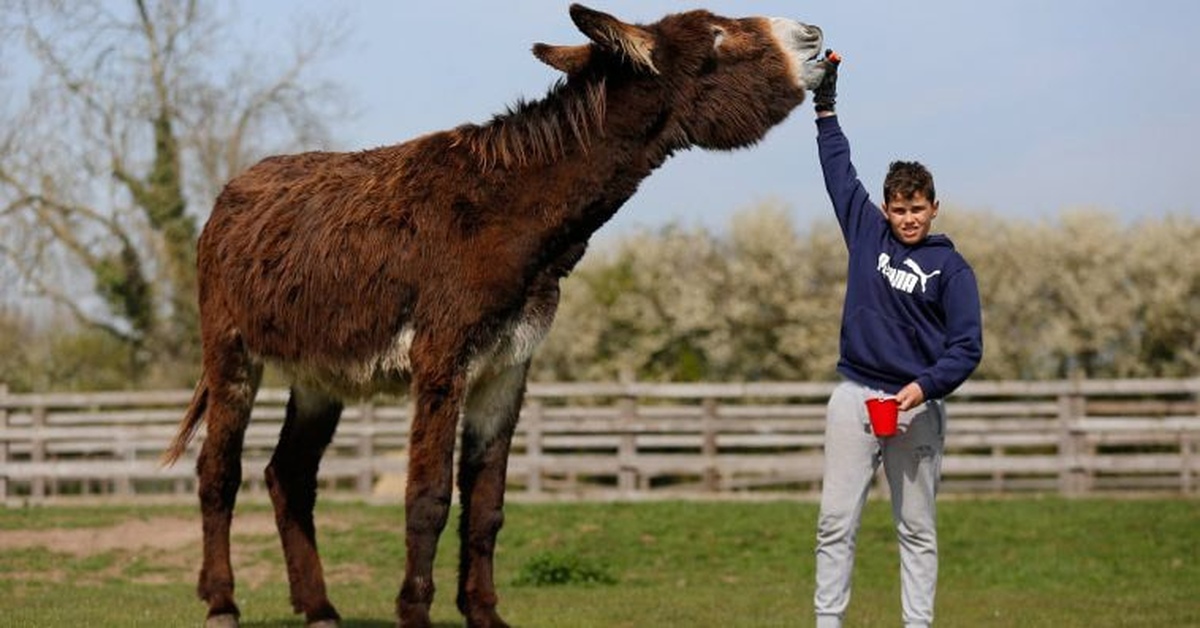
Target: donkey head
(701, 79)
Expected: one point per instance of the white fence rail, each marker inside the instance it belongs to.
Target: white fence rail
(636, 440)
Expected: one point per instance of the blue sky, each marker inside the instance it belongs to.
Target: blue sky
(1020, 107)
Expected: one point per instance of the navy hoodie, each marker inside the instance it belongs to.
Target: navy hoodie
(911, 312)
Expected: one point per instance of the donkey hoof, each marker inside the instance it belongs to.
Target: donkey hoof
(324, 623)
(414, 616)
(228, 620)
(486, 620)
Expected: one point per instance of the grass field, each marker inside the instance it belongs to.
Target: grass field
(1005, 562)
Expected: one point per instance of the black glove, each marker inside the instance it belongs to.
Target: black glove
(825, 95)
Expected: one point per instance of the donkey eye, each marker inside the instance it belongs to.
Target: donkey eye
(718, 36)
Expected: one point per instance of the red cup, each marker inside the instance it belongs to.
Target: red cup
(883, 412)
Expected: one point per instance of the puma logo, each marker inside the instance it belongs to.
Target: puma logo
(912, 263)
(901, 279)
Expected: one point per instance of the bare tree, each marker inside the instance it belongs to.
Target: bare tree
(132, 121)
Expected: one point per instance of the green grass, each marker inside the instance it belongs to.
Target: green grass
(1005, 562)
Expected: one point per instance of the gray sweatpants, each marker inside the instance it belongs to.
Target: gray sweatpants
(912, 461)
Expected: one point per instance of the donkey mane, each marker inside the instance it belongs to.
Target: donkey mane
(537, 132)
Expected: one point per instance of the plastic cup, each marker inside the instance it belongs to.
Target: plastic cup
(883, 412)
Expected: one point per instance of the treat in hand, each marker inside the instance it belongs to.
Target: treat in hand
(825, 94)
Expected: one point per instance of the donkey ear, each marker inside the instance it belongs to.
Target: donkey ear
(628, 40)
(567, 59)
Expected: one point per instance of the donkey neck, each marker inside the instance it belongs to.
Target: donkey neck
(586, 146)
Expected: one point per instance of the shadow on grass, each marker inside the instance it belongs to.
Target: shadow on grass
(345, 623)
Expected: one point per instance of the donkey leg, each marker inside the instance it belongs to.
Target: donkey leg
(493, 407)
(438, 398)
(232, 387)
(291, 476)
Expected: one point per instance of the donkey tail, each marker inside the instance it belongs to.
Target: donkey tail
(187, 427)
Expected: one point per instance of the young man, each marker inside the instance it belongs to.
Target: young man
(911, 329)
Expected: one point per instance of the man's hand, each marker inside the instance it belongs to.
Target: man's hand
(825, 94)
(910, 396)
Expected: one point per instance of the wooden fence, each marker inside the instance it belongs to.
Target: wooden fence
(638, 440)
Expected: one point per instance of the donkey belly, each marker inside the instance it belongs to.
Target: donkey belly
(390, 370)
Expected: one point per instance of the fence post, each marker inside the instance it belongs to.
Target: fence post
(3, 441)
(532, 424)
(997, 474)
(1188, 446)
(1187, 458)
(125, 449)
(366, 449)
(1072, 478)
(627, 475)
(37, 451)
(708, 446)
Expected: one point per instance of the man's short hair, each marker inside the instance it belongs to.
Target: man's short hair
(906, 179)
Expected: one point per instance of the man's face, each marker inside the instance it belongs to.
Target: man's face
(910, 218)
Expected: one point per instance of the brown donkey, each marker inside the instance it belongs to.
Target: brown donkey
(433, 267)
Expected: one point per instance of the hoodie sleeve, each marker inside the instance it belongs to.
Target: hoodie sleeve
(964, 337)
(851, 203)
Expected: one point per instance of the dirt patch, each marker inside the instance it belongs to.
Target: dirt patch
(159, 550)
(157, 533)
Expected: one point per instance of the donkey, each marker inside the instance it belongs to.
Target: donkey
(432, 267)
